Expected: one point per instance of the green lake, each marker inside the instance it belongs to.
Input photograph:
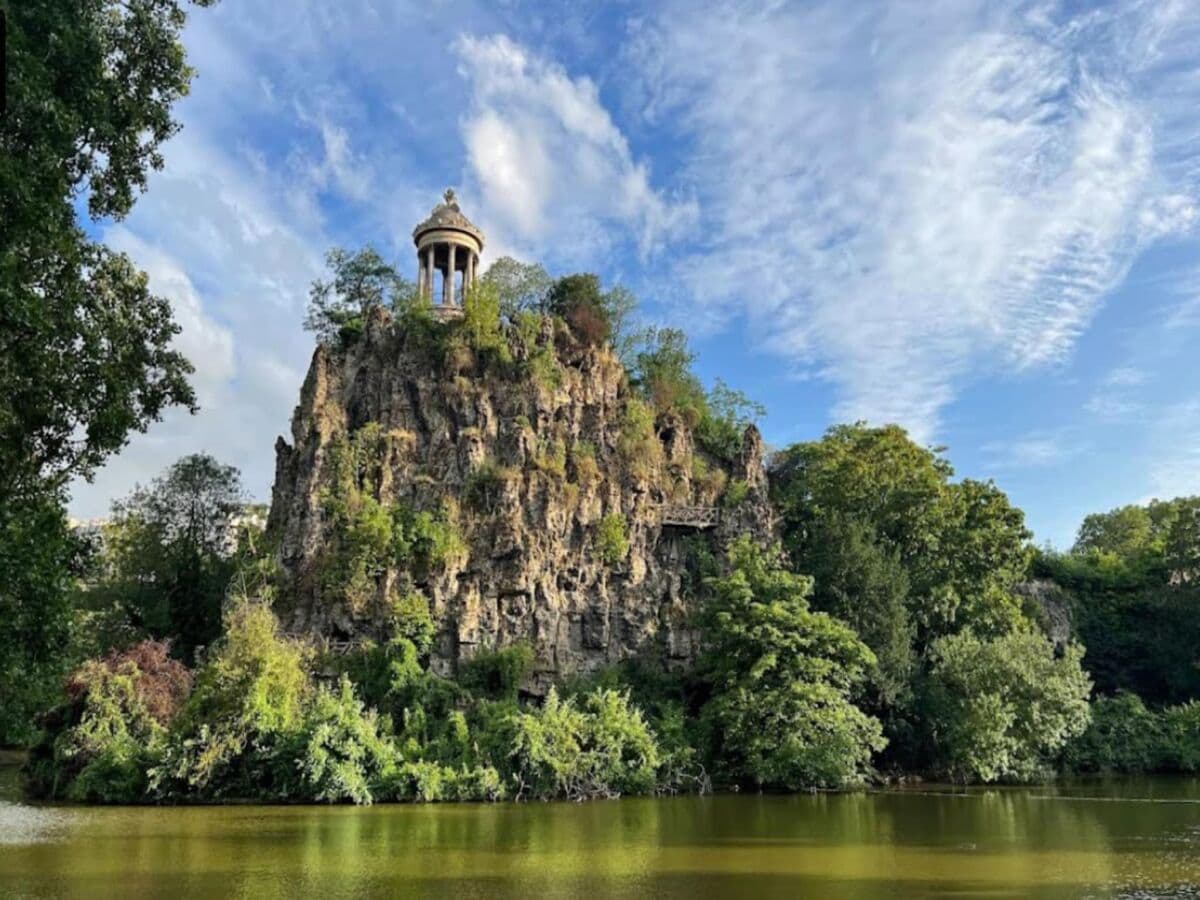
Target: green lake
(1135, 838)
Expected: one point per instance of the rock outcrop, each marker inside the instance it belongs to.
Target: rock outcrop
(566, 445)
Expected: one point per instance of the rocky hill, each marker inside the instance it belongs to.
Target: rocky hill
(520, 492)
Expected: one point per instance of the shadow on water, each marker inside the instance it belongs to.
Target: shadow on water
(1131, 838)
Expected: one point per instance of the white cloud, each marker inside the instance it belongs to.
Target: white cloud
(1036, 449)
(551, 167)
(206, 343)
(956, 204)
(221, 246)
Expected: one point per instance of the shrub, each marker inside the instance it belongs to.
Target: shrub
(1181, 738)
(1004, 707)
(485, 485)
(583, 459)
(248, 697)
(340, 753)
(603, 749)
(481, 321)
(1123, 736)
(539, 363)
(497, 674)
(709, 480)
(735, 494)
(551, 458)
(428, 782)
(412, 621)
(425, 540)
(637, 443)
(612, 541)
(97, 746)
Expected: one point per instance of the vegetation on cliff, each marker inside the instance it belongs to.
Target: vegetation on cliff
(906, 648)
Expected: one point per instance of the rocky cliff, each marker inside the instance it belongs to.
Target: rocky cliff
(544, 464)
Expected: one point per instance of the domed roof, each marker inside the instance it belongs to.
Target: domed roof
(447, 215)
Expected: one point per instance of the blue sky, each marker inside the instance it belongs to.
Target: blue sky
(981, 221)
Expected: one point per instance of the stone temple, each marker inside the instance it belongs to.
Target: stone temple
(447, 243)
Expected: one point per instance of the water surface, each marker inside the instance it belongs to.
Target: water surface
(1131, 838)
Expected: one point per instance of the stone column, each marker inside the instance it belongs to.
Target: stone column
(473, 261)
(448, 293)
(427, 288)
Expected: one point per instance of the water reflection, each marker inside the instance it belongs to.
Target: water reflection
(1084, 840)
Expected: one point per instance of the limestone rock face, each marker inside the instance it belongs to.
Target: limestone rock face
(532, 569)
(1050, 606)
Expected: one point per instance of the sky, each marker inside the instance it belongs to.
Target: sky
(978, 220)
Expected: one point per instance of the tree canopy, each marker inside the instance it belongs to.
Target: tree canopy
(85, 347)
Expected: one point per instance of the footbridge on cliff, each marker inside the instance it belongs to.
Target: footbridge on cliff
(699, 517)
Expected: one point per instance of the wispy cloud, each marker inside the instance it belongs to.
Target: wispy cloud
(1036, 449)
(954, 204)
(552, 167)
(1116, 396)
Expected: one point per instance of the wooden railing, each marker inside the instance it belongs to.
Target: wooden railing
(690, 516)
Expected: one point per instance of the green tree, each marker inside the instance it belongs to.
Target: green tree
(962, 545)
(85, 348)
(38, 558)
(1122, 736)
(596, 316)
(782, 680)
(662, 368)
(481, 321)
(362, 281)
(1125, 532)
(1183, 541)
(169, 553)
(864, 584)
(520, 286)
(727, 414)
(1003, 708)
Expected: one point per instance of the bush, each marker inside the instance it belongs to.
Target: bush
(411, 620)
(637, 443)
(709, 480)
(1181, 738)
(539, 363)
(583, 459)
(1004, 707)
(425, 541)
(481, 322)
(497, 674)
(485, 486)
(97, 746)
(612, 540)
(1123, 736)
(340, 753)
(551, 458)
(603, 749)
(248, 697)
(735, 494)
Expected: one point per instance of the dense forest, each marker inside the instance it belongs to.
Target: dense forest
(900, 624)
